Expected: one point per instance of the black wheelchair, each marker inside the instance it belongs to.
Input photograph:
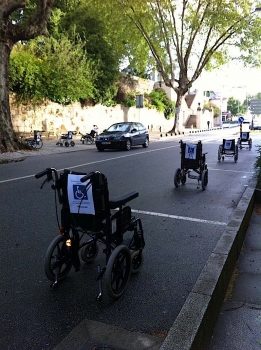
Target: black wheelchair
(229, 148)
(88, 218)
(245, 140)
(192, 160)
(66, 139)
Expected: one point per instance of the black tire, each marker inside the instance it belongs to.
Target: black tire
(72, 143)
(183, 178)
(136, 261)
(146, 143)
(38, 144)
(100, 149)
(89, 252)
(219, 153)
(204, 179)
(127, 144)
(118, 271)
(66, 143)
(236, 154)
(57, 254)
(89, 140)
(250, 144)
(177, 177)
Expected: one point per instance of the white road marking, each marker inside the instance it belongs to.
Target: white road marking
(179, 217)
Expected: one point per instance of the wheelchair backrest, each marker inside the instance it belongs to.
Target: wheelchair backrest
(84, 204)
(244, 135)
(191, 155)
(229, 145)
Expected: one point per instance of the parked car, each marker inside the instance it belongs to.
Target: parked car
(123, 136)
(255, 125)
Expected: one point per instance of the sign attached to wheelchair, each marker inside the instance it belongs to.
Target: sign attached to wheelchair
(80, 195)
(240, 119)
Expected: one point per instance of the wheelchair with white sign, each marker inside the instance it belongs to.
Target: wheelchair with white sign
(89, 220)
(66, 139)
(244, 140)
(193, 165)
(229, 148)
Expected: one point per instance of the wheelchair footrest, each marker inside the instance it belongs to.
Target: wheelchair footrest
(194, 177)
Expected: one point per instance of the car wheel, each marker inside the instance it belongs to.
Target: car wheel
(146, 143)
(128, 145)
(100, 149)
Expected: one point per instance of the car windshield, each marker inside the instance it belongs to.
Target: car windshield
(119, 127)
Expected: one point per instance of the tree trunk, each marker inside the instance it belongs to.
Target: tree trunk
(176, 128)
(10, 33)
(8, 138)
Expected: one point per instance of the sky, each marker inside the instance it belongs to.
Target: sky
(231, 81)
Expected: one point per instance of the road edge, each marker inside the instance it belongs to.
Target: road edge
(195, 323)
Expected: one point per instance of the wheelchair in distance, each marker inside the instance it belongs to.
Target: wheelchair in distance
(66, 139)
(89, 217)
(229, 148)
(244, 140)
(193, 165)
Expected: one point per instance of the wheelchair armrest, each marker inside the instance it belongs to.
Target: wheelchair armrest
(123, 200)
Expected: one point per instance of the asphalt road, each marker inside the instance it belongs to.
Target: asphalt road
(181, 228)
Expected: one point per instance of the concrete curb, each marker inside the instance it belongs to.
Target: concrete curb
(194, 326)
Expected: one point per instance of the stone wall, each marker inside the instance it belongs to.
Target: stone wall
(57, 119)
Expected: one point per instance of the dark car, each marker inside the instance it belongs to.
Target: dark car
(123, 136)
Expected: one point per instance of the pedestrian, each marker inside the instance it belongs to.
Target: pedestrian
(208, 122)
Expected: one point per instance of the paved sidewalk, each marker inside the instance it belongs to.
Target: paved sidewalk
(239, 323)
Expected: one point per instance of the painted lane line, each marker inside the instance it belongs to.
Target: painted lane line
(94, 162)
(185, 218)
(233, 171)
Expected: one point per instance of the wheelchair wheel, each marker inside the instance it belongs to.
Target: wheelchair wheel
(57, 256)
(89, 140)
(89, 252)
(250, 144)
(219, 154)
(136, 261)
(118, 271)
(183, 178)
(177, 177)
(66, 143)
(236, 154)
(204, 179)
(38, 144)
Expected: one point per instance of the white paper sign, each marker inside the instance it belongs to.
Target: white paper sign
(191, 151)
(80, 200)
(228, 144)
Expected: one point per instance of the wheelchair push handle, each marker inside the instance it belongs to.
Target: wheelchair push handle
(42, 173)
(87, 176)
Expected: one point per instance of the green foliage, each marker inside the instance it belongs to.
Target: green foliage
(130, 99)
(212, 106)
(161, 101)
(236, 107)
(51, 69)
(257, 164)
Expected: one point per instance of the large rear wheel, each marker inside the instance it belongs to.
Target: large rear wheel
(204, 179)
(57, 259)
(177, 177)
(118, 271)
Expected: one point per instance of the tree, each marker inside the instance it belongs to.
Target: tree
(20, 20)
(46, 68)
(236, 107)
(186, 37)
